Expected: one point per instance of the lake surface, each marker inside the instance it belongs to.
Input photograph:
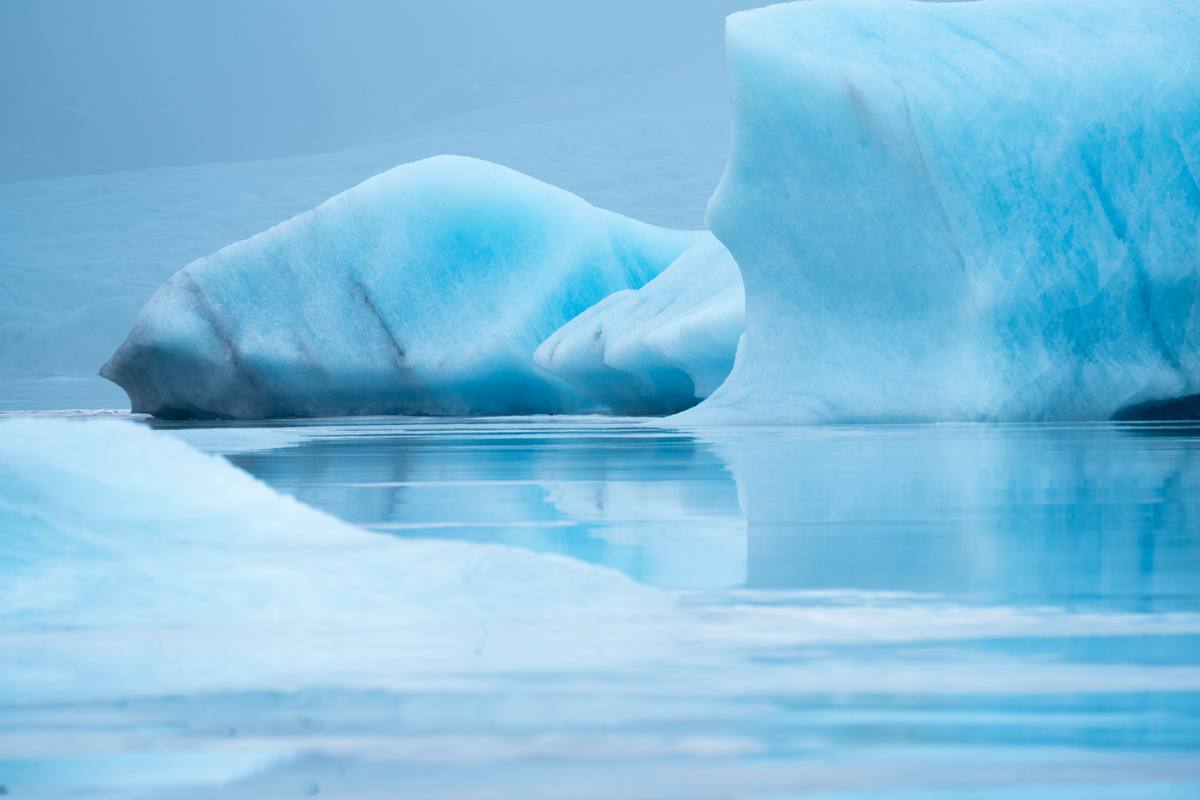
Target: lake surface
(938, 611)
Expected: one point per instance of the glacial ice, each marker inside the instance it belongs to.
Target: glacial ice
(951, 211)
(120, 543)
(660, 348)
(425, 289)
(963, 211)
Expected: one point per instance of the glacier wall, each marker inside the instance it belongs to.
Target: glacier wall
(963, 211)
(660, 348)
(425, 289)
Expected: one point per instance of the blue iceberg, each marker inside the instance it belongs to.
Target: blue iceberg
(963, 211)
(133, 565)
(425, 289)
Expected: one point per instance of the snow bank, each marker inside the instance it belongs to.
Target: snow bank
(423, 290)
(963, 211)
(113, 533)
(660, 348)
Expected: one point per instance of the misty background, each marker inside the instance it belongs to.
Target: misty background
(93, 87)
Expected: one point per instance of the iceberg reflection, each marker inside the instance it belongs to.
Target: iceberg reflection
(1104, 514)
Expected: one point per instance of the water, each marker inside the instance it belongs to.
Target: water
(878, 612)
(1098, 516)
(52, 394)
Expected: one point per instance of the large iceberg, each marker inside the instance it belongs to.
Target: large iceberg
(657, 349)
(963, 211)
(425, 289)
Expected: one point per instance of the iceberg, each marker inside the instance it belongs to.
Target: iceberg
(660, 348)
(424, 290)
(963, 211)
(81, 255)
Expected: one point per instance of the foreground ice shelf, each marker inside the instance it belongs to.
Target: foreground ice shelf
(962, 211)
(138, 544)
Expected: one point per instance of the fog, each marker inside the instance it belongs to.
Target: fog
(91, 87)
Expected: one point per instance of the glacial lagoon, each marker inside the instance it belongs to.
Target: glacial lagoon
(920, 611)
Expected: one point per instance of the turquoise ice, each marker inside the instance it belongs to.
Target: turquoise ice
(660, 348)
(962, 211)
(425, 289)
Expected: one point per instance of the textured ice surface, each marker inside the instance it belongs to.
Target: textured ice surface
(423, 290)
(963, 210)
(659, 348)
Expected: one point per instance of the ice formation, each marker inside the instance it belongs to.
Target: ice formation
(80, 256)
(949, 211)
(425, 289)
(660, 348)
(113, 532)
(962, 211)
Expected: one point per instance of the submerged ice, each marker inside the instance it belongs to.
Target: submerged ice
(423, 290)
(961, 211)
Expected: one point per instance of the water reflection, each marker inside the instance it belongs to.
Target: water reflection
(1015, 514)
(1101, 515)
(657, 505)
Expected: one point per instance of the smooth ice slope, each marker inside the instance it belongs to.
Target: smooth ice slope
(423, 290)
(660, 348)
(963, 211)
(130, 562)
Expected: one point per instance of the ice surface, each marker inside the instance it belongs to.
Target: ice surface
(423, 290)
(963, 211)
(113, 530)
(660, 348)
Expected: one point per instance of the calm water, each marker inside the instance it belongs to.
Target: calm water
(882, 612)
